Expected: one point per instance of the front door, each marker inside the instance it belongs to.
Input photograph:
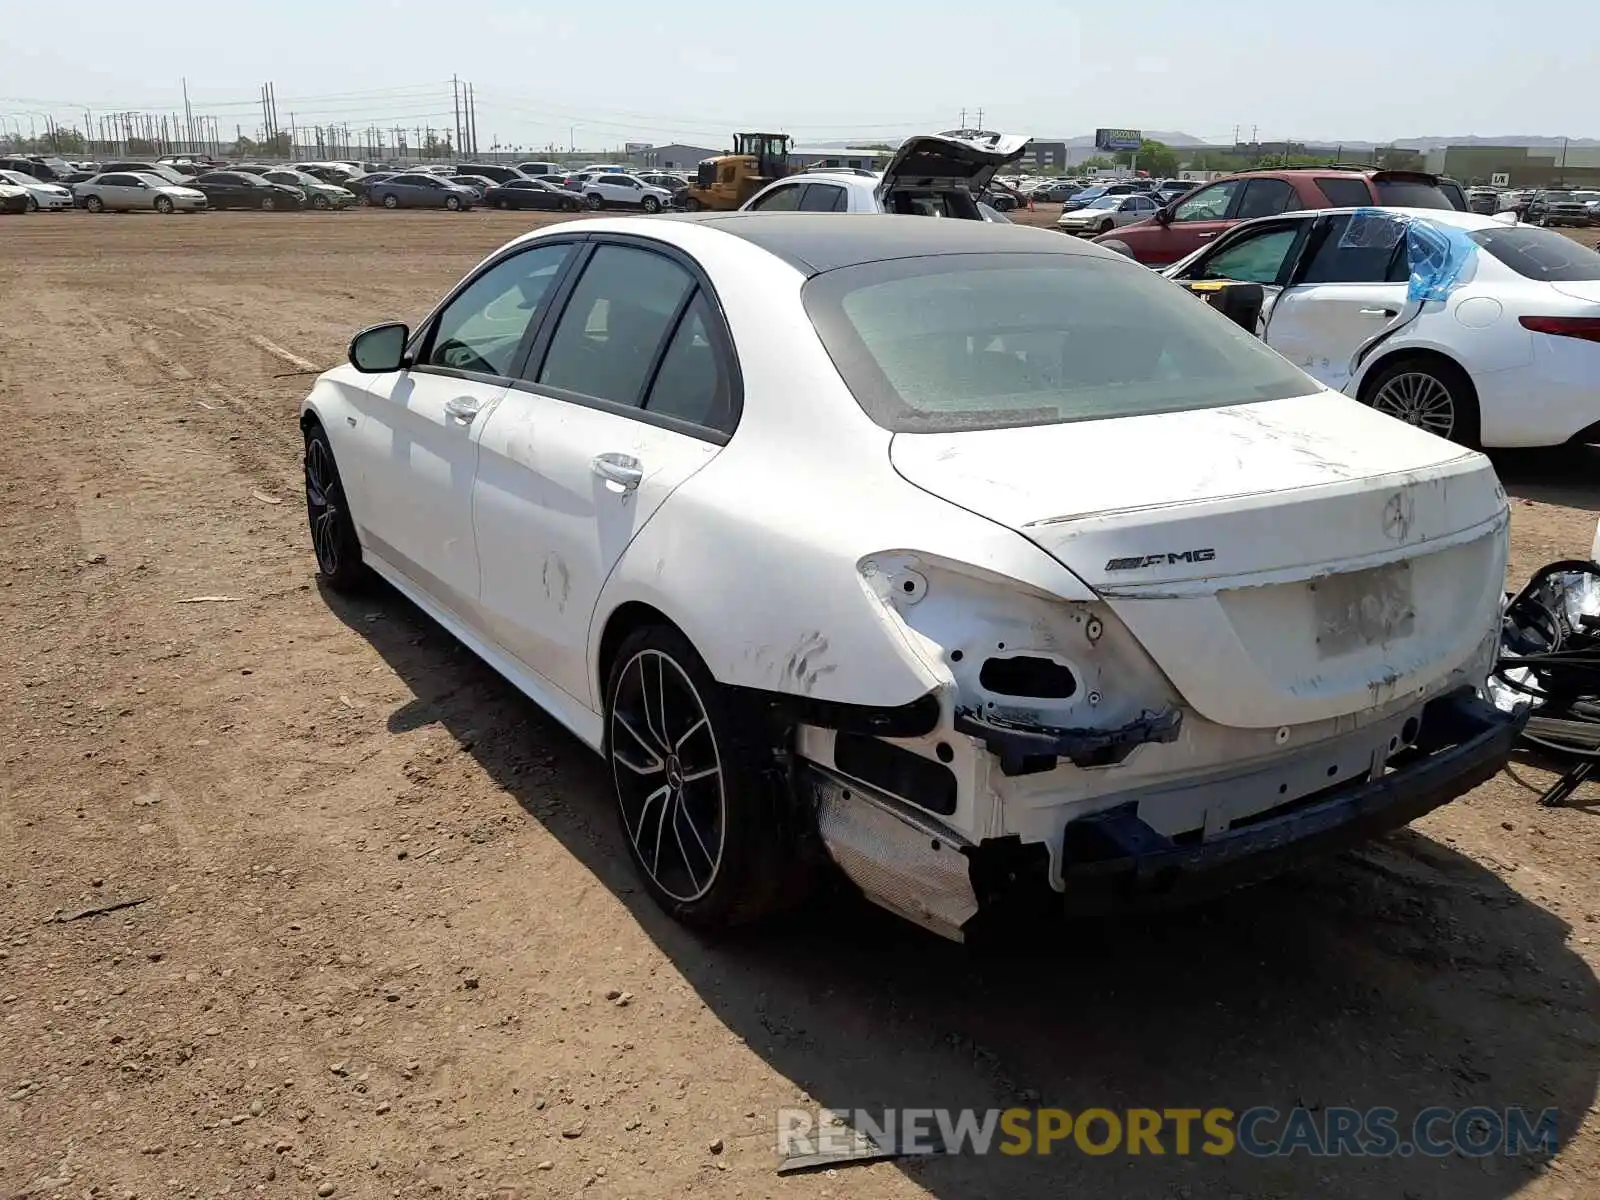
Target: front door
(1265, 254)
(420, 426)
(1351, 289)
(629, 395)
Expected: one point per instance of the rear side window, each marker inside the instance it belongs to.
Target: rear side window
(1344, 193)
(1266, 198)
(1540, 254)
(823, 197)
(1410, 193)
(986, 341)
(692, 382)
(785, 199)
(621, 311)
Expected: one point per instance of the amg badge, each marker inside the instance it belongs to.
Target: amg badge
(1139, 561)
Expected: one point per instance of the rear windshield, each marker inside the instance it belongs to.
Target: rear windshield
(986, 341)
(1540, 254)
(1410, 193)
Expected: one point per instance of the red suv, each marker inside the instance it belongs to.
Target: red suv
(1188, 223)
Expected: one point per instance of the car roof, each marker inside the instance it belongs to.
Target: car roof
(827, 241)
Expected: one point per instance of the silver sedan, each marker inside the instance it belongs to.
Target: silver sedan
(125, 191)
(1107, 213)
(41, 195)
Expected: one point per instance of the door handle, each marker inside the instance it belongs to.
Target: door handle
(462, 408)
(620, 469)
(1204, 237)
(1377, 312)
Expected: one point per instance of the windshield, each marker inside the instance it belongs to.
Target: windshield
(1540, 254)
(1556, 197)
(1104, 202)
(18, 178)
(1090, 193)
(992, 340)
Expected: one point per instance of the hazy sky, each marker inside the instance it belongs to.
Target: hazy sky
(614, 70)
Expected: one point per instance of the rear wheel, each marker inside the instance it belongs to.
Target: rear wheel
(652, 205)
(333, 533)
(95, 204)
(699, 795)
(1431, 393)
(164, 205)
(391, 201)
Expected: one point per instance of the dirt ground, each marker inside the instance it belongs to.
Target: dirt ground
(377, 901)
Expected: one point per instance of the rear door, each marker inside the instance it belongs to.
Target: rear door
(627, 394)
(1351, 287)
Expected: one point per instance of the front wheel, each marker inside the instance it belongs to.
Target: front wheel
(364, 200)
(652, 205)
(164, 205)
(572, 205)
(320, 202)
(32, 205)
(452, 204)
(391, 201)
(594, 201)
(268, 203)
(1105, 227)
(333, 533)
(699, 794)
(1429, 393)
(503, 204)
(692, 204)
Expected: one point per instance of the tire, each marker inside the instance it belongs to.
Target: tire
(364, 200)
(595, 201)
(32, 205)
(391, 201)
(268, 203)
(333, 533)
(164, 205)
(452, 204)
(503, 204)
(321, 202)
(573, 205)
(1105, 227)
(94, 204)
(701, 803)
(652, 205)
(692, 204)
(1429, 392)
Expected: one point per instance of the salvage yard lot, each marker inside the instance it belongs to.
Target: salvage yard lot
(384, 935)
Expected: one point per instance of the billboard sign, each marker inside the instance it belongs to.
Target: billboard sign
(1117, 139)
(1500, 179)
(635, 147)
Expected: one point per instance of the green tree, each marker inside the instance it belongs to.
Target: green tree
(140, 147)
(1098, 163)
(1156, 157)
(244, 148)
(278, 146)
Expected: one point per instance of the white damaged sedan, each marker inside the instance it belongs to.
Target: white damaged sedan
(982, 561)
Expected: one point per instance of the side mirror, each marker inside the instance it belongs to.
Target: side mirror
(1163, 216)
(380, 348)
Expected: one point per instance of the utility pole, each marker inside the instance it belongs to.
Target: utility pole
(455, 92)
(980, 118)
(188, 112)
(472, 118)
(1254, 140)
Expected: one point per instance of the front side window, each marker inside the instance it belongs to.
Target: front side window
(1256, 259)
(482, 329)
(994, 340)
(619, 314)
(1208, 204)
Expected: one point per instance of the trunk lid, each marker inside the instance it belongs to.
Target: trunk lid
(1283, 562)
(1579, 289)
(958, 156)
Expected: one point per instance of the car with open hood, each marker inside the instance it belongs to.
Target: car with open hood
(13, 199)
(934, 175)
(981, 560)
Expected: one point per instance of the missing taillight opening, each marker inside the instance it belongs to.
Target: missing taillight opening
(1026, 675)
